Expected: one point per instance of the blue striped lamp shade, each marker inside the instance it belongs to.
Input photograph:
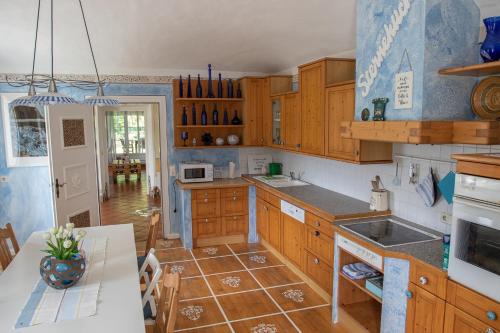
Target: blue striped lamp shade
(24, 100)
(101, 101)
(51, 99)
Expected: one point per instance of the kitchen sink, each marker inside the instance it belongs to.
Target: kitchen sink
(280, 181)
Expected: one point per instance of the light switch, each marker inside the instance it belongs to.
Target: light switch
(4, 179)
(172, 172)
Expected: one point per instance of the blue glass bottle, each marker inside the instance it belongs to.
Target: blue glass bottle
(219, 87)
(199, 90)
(203, 115)
(184, 116)
(210, 92)
(229, 88)
(215, 115)
(193, 115)
(189, 93)
(236, 120)
(490, 49)
(238, 91)
(181, 87)
(225, 121)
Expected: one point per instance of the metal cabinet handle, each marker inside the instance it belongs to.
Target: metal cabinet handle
(491, 315)
(489, 330)
(206, 194)
(206, 220)
(58, 186)
(316, 233)
(316, 261)
(234, 217)
(409, 294)
(205, 200)
(317, 224)
(234, 194)
(234, 198)
(423, 280)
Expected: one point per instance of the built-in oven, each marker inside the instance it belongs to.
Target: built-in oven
(475, 236)
(196, 172)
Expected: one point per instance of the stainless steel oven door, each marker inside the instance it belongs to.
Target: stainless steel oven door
(475, 246)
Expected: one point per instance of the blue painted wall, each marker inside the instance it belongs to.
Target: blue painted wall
(436, 34)
(25, 200)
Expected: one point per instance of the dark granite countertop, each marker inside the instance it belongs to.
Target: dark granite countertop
(430, 252)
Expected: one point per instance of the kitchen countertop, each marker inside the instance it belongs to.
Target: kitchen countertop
(217, 183)
(325, 203)
(430, 252)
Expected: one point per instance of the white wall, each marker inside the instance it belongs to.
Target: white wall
(354, 180)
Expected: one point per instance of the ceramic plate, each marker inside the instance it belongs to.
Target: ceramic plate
(485, 98)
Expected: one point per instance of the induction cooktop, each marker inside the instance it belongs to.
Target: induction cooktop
(389, 232)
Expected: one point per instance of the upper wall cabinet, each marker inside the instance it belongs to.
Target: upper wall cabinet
(291, 121)
(253, 90)
(314, 77)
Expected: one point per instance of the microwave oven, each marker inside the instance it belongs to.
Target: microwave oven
(475, 236)
(196, 172)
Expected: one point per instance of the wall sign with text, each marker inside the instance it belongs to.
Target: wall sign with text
(403, 96)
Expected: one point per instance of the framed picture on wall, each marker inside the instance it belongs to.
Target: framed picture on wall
(25, 133)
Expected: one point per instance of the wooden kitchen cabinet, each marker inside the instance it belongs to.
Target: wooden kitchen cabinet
(293, 240)
(206, 227)
(320, 244)
(340, 106)
(253, 106)
(318, 270)
(274, 222)
(262, 219)
(291, 121)
(458, 321)
(234, 225)
(425, 311)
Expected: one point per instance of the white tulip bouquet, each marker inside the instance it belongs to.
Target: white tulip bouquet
(62, 243)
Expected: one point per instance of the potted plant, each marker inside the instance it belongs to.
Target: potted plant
(65, 263)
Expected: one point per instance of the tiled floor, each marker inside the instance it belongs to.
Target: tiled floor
(243, 288)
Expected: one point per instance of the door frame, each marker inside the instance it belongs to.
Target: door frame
(162, 106)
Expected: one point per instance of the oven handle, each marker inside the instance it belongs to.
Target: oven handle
(476, 204)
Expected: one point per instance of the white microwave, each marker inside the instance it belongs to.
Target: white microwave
(475, 236)
(196, 172)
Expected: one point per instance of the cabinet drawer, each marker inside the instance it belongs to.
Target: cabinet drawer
(207, 227)
(234, 192)
(204, 194)
(474, 304)
(235, 225)
(261, 193)
(457, 321)
(234, 206)
(273, 200)
(429, 278)
(319, 223)
(205, 208)
(319, 271)
(320, 244)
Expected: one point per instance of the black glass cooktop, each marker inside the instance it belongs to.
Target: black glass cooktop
(388, 233)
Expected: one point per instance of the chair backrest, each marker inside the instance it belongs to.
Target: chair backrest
(6, 256)
(154, 227)
(167, 306)
(150, 272)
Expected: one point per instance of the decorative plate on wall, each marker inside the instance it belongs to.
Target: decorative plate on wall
(485, 99)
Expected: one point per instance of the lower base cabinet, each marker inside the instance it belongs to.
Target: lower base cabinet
(274, 222)
(318, 270)
(425, 311)
(457, 321)
(293, 240)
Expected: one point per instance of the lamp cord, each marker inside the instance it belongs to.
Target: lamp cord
(90, 43)
(36, 39)
(52, 38)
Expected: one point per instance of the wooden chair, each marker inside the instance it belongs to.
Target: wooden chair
(167, 305)
(150, 273)
(6, 255)
(154, 227)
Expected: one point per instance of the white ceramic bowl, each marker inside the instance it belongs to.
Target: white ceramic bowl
(219, 142)
(233, 139)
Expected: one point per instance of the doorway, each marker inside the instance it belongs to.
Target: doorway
(130, 159)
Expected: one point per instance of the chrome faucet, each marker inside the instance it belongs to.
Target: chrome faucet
(292, 175)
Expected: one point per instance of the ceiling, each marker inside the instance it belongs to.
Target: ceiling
(161, 37)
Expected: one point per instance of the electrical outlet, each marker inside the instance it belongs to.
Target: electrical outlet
(4, 179)
(445, 218)
(172, 172)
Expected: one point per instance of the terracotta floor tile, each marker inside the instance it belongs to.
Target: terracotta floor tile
(232, 282)
(193, 288)
(275, 276)
(171, 255)
(247, 304)
(275, 323)
(296, 296)
(198, 313)
(185, 268)
(211, 251)
(220, 265)
(247, 247)
(259, 259)
(316, 320)
(223, 328)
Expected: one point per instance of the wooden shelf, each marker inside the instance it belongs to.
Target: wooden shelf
(361, 285)
(490, 68)
(424, 132)
(209, 126)
(205, 99)
(368, 314)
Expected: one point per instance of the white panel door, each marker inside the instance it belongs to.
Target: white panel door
(72, 160)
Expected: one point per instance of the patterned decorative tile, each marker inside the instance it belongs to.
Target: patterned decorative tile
(296, 296)
(232, 282)
(211, 251)
(247, 247)
(268, 324)
(185, 268)
(247, 304)
(197, 313)
(259, 259)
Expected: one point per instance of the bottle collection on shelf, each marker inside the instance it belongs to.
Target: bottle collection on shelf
(204, 116)
(210, 93)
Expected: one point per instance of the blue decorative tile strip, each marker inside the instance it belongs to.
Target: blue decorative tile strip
(396, 278)
(336, 271)
(252, 215)
(187, 220)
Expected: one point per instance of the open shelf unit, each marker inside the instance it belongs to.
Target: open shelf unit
(476, 70)
(361, 285)
(232, 105)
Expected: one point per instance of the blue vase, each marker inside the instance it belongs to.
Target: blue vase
(210, 92)
(219, 87)
(193, 115)
(181, 87)
(199, 90)
(215, 116)
(490, 49)
(189, 93)
(184, 116)
(225, 120)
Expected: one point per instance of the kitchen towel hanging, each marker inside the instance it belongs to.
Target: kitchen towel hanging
(427, 189)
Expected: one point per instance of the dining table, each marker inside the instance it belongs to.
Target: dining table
(119, 305)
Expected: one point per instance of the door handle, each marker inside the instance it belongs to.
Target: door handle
(58, 186)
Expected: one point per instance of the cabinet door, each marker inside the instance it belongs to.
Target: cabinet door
(340, 107)
(267, 117)
(293, 235)
(205, 208)
(274, 227)
(234, 205)
(291, 121)
(312, 96)
(253, 115)
(235, 225)
(207, 227)
(319, 271)
(425, 312)
(277, 125)
(262, 219)
(320, 244)
(457, 321)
